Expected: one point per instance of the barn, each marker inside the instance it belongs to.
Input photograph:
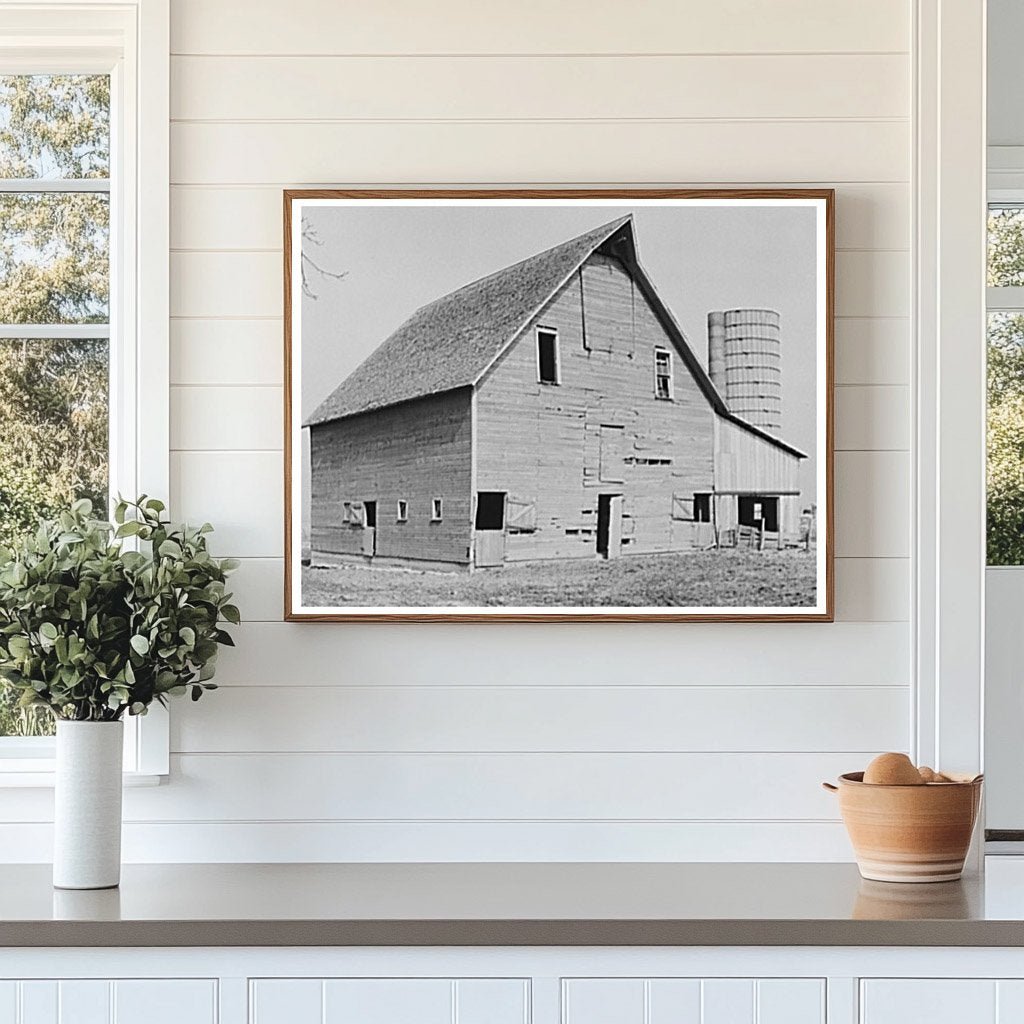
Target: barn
(555, 410)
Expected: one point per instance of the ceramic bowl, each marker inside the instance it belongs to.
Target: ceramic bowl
(909, 833)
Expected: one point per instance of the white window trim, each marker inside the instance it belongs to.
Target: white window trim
(437, 505)
(131, 41)
(948, 455)
(401, 511)
(558, 355)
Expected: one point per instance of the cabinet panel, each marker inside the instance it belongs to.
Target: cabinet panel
(388, 1001)
(491, 1001)
(164, 1002)
(929, 1001)
(727, 1001)
(286, 1001)
(674, 1001)
(8, 1002)
(83, 1002)
(603, 1001)
(693, 1001)
(101, 1001)
(790, 1001)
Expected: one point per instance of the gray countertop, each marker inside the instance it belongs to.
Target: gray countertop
(510, 904)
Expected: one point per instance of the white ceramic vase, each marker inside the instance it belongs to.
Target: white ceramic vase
(87, 811)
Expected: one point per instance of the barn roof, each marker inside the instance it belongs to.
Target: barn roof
(451, 342)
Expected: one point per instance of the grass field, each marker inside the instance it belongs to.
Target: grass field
(728, 578)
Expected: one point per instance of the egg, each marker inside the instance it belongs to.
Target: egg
(893, 770)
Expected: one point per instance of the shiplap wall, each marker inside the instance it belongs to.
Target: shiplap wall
(598, 742)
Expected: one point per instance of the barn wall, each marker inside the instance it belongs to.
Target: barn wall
(416, 452)
(599, 742)
(600, 430)
(746, 462)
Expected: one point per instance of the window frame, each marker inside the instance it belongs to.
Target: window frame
(129, 41)
(553, 333)
(437, 510)
(670, 376)
(401, 511)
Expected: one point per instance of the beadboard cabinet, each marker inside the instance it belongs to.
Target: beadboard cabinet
(513, 985)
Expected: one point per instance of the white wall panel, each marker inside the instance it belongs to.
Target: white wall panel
(748, 654)
(546, 717)
(872, 350)
(500, 786)
(873, 283)
(476, 88)
(872, 499)
(534, 26)
(441, 741)
(568, 151)
(873, 589)
(871, 216)
(241, 493)
(873, 418)
(221, 842)
(216, 417)
(227, 352)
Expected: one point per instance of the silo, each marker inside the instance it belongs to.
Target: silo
(745, 364)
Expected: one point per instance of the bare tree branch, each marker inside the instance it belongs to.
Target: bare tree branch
(310, 267)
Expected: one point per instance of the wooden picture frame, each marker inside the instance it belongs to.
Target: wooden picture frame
(720, 485)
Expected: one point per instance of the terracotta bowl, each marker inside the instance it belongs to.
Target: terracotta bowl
(909, 833)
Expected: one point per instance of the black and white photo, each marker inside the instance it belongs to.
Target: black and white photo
(556, 405)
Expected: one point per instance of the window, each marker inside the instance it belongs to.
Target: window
(662, 373)
(402, 512)
(702, 508)
(490, 510)
(83, 254)
(1005, 498)
(435, 510)
(548, 365)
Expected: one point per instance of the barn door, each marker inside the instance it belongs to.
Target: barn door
(609, 525)
(369, 528)
(489, 535)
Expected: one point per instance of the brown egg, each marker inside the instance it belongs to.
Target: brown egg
(928, 774)
(892, 770)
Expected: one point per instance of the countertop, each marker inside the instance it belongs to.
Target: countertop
(560, 904)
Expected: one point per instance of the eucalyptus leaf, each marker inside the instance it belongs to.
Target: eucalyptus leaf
(93, 631)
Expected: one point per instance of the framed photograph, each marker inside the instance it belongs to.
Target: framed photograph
(558, 405)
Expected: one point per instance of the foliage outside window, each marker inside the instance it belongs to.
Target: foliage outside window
(1005, 485)
(54, 308)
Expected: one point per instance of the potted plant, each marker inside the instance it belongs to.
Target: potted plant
(99, 620)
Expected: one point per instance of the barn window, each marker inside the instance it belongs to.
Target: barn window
(662, 373)
(435, 510)
(702, 508)
(402, 514)
(548, 367)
